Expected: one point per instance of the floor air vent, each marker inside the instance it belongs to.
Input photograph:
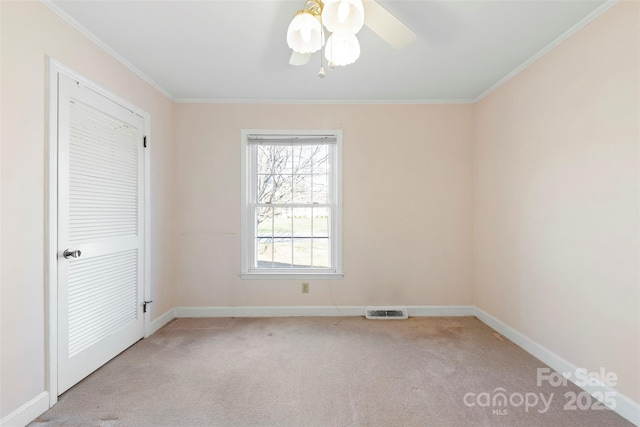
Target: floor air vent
(386, 313)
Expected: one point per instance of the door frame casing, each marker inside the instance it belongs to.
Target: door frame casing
(54, 69)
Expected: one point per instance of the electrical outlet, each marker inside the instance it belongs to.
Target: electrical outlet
(305, 288)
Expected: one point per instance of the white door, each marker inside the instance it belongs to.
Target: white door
(100, 230)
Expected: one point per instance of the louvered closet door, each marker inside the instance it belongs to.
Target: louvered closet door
(100, 214)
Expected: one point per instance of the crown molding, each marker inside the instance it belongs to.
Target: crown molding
(95, 39)
(323, 101)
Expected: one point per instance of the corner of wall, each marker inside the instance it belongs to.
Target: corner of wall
(474, 142)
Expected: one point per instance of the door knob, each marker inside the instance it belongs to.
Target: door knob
(71, 254)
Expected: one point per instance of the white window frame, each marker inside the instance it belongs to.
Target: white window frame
(247, 229)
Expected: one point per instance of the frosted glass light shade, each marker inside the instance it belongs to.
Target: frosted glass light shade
(342, 49)
(305, 34)
(343, 16)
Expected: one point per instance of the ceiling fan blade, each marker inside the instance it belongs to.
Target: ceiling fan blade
(299, 58)
(387, 26)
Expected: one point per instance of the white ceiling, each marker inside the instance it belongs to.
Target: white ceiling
(237, 50)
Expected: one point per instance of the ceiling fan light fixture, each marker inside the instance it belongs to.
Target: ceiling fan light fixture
(342, 49)
(343, 16)
(305, 34)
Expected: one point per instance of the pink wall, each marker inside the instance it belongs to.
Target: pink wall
(556, 186)
(407, 204)
(30, 32)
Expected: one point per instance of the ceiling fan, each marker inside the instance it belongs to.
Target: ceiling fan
(343, 19)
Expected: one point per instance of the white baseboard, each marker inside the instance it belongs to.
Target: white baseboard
(274, 311)
(328, 311)
(160, 322)
(27, 412)
(625, 406)
(441, 310)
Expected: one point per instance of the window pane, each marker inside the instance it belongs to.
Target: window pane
(302, 222)
(303, 158)
(321, 252)
(264, 222)
(284, 191)
(321, 159)
(264, 253)
(282, 251)
(264, 154)
(278, 161)
(321, 222)
(283, 158)
(302, 189)
(320, 189)
(273, 189)
(263, 187)
(282, 226)
(302, 253)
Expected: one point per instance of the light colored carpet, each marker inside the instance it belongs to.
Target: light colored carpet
(344, 371)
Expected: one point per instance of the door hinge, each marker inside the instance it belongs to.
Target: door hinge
(144, 306)
(145, 141)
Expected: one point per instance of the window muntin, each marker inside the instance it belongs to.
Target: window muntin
(292, 206)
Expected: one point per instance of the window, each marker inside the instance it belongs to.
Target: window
(291, 204)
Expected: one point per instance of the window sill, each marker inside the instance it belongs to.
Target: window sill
(291, 276)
